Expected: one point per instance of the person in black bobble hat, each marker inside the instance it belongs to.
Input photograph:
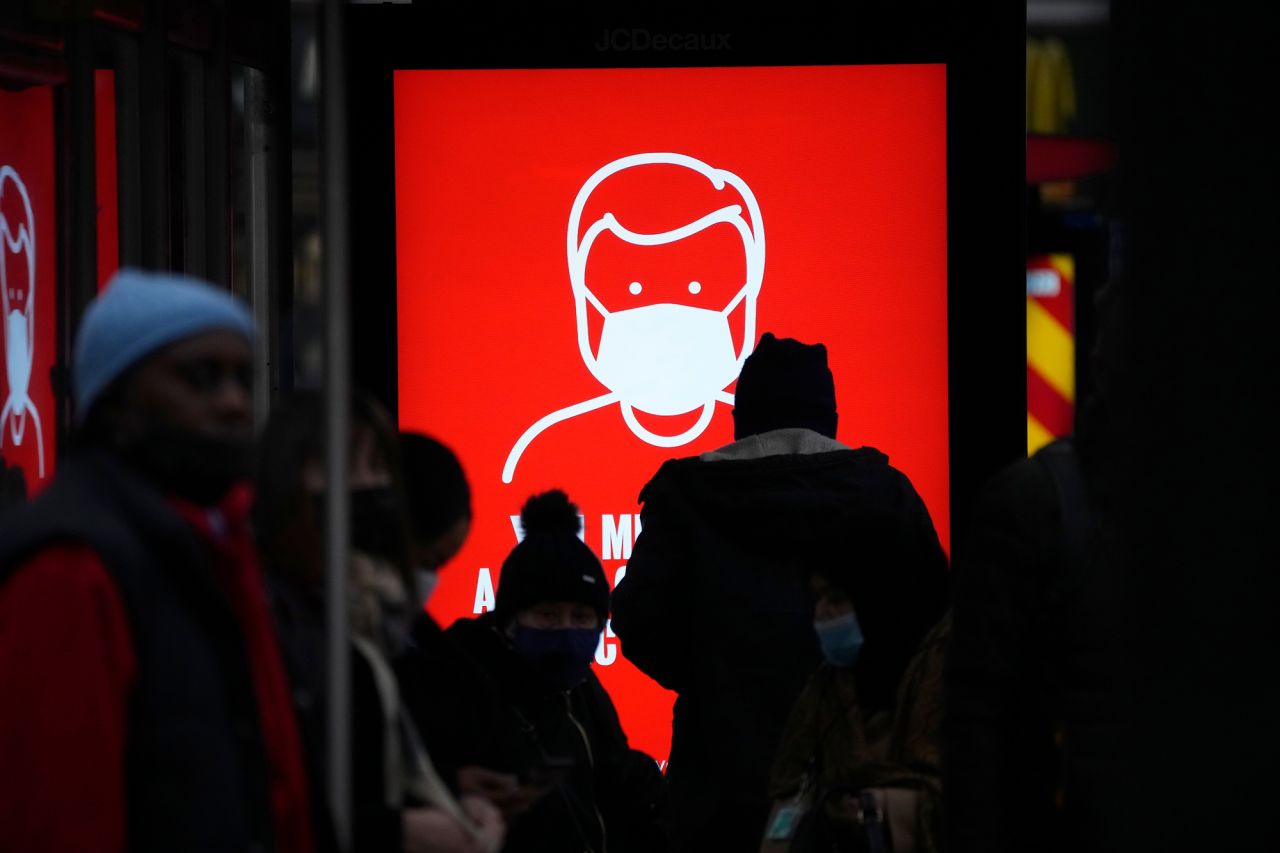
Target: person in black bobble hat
(579, 784)
(716, 603)
(551, 564)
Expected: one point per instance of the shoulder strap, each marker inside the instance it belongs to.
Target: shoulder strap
(389, 702)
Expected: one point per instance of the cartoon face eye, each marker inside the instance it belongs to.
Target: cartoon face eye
(709, 265)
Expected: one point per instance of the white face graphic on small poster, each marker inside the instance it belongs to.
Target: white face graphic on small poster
(17, 295)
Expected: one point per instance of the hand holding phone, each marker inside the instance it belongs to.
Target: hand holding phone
(504, 790)
(551, 772)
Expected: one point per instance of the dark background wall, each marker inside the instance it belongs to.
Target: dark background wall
(1191, 456)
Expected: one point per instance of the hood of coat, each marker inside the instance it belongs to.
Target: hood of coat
(808, 505)
(777, 493)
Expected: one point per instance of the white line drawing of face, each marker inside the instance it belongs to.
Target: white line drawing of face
(663, 358)
(19, 322)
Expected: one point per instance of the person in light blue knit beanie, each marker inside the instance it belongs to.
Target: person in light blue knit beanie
(138, 638)
(162, 377)
(138, 313)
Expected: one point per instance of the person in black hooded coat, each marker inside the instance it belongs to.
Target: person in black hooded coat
(715, 604)
(554, 728)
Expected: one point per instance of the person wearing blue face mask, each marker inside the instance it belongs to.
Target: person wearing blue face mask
(575, 783)
(858, 764)
(839, 634)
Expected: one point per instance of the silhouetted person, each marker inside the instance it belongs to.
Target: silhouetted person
(1035, 673)
(862, 747)
(433, 672)
(1041, 727)
(577, 784)
(146, 706)
(439, 506)
(453, 702)
(398, 800)
(715, 604)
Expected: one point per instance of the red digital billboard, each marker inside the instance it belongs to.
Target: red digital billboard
(586, 257)
(28, 277)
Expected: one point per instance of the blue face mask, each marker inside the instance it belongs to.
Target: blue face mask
(562, 656)
(841, 639)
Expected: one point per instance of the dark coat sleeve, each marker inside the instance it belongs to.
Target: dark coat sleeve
(652, 615)
(300, 631)
(995, 732)
(454, 706)
(630, 789)
(67, 669)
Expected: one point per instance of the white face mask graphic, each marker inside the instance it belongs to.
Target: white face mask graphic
(17, 359)
(665, 358)
(19, 305)
(687, 357)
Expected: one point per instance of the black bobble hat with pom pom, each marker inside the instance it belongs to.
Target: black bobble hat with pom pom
(551, 563)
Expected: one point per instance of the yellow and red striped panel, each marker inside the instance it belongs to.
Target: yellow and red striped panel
(1051, 349)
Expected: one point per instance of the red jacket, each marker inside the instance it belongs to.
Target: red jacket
(62, 738)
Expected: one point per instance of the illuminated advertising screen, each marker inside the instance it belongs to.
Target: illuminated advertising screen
(586, 257)
(28, 278)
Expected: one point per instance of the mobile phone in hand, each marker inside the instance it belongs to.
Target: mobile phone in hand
(551, 772)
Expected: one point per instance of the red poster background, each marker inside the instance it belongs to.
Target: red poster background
(27, 147)
(848, 167)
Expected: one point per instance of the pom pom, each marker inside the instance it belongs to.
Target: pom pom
(550, 512)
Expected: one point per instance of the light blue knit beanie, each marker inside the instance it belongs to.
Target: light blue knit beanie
(137, 314)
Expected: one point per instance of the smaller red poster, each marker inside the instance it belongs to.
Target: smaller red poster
(28, 278)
